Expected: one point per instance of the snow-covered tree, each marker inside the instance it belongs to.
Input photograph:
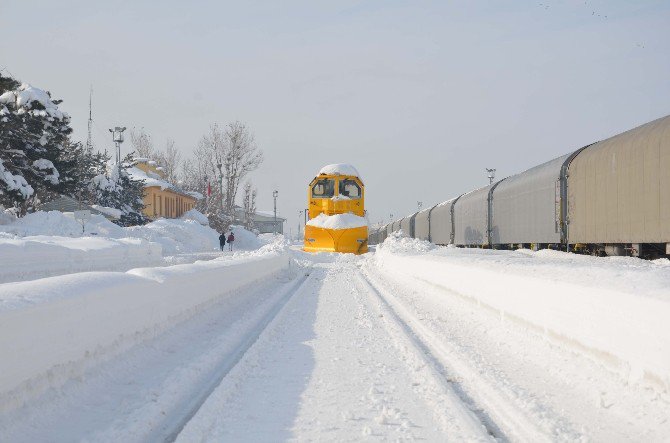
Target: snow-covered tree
(85, 166)
(35, 156)
(117, 189)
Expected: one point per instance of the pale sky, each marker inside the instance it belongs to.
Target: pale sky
(420, 96)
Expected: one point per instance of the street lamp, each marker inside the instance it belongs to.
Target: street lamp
(117, 136)
(491, 174)
(274, 195)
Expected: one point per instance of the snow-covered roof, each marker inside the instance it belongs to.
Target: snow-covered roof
(339, 169)
(152, 179)
(269, 214)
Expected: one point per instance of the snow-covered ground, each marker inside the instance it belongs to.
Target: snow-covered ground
(408, 342)
(44, 244)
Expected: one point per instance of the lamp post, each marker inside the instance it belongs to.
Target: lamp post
(491, 174)
(117, 136)
(274, 195)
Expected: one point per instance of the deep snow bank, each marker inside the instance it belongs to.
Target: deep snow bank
(42, 256)
(50, 329)
(615, 309)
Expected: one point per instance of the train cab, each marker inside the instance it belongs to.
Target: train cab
(336, 201)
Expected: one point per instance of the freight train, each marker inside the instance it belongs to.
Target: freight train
(607, 198)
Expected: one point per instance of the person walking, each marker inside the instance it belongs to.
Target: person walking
(222, 240)
(231, 239)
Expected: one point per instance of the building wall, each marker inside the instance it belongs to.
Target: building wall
(266, 227)
(165, 203)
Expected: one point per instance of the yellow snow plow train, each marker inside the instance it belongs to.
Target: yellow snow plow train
(337, 223)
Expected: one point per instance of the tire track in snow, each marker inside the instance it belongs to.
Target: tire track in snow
(501, 417)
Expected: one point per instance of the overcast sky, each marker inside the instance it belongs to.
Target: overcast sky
(419, 96)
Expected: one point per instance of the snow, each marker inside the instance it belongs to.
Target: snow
(339, 197)
(43, 164)
(195, 215)
(196, 195)
(25, 95)
(150, 178)
(42, 256)
(244, 240)
(562, 295)
(43, 244)
(337, 374)
(338, 221)
(15, 182)
(112, 212)
(339, 169)
(54, 327)
(411, 341)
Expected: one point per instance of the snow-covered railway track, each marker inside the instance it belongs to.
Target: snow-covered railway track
(172, 426)
(151, 391)
(502, 417)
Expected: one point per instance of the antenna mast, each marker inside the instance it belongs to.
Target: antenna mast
(89, 140)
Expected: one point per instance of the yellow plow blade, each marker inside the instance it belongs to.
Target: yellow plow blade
(354, 240)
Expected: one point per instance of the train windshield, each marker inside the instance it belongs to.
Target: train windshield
(324, 188)
(349, 188)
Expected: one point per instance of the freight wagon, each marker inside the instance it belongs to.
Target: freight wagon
(608, 198)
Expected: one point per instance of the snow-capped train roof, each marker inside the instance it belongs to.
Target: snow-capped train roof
(340, 169)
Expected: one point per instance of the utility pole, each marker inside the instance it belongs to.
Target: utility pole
(491, 174)
(89, 140)
(274, 195)
(117, 136)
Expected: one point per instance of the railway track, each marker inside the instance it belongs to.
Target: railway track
(502, 418)
(172, 426)
(150, 392)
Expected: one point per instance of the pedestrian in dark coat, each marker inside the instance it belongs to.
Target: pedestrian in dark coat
(222, 240)
(231, 239)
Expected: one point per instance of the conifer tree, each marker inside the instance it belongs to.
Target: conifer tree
(34, 141)
(117, 189)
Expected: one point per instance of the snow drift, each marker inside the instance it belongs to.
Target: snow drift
(613, 309)
(43, 244)
(43, 256)
(53, 328)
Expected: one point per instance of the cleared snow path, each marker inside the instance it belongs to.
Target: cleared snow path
(333, 366)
